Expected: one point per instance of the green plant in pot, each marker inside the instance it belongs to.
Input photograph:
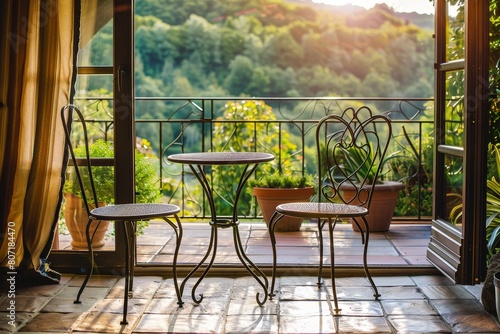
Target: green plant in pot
(358, 162)
(274, 189)
(491, 285)
(75, 216)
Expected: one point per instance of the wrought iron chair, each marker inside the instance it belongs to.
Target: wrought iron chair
(126, 214)
(350, 148)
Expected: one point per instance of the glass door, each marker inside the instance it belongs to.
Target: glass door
(104, 91)
(461, 71)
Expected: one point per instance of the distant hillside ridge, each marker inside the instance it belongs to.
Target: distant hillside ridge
(424, 21)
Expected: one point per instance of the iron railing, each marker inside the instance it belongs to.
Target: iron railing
(202, 124)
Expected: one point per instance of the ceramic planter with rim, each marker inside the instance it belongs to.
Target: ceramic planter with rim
(76, 219)
(384, 201)
(270, 198)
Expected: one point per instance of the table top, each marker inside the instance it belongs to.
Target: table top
(221, 158)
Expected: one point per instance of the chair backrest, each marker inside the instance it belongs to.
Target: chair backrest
(351, 148)
(82, 166)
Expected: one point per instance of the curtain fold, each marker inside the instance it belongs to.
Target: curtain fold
(36, 70)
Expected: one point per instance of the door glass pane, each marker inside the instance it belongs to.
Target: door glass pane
(454, 182)
(455, 35)
(98, 50)
(454, 116)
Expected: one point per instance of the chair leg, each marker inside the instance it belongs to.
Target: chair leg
(178, 235)
(320, 240)
(91, 261)
(131, 257)
(365, 265)
(332, 266)
(127, 276)
(272, 223)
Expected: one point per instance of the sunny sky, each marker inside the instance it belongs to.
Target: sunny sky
(420, 6)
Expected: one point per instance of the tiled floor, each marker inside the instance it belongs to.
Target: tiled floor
(404, 245)
(408, 304)
(411, 301)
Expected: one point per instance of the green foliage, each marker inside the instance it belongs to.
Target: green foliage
(146, 179)
(282, 181)
(415, 169)
(103, 175)
(242, 48)
(357, 162)
(262, 135)
(493, 206)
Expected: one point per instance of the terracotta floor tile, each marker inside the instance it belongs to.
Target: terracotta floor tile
(362, 325)
(392, 281)
(169, 323)
(307, 324)
(399, 242)
(412, 251)
(400, 292)
(305, 308)
(135, 306)
(446, 292)
(419, 324)
(65, 305)
(52, 322)
(407, 307)
(431, 280)
(12, 322)
(302, 293)
(472, 323)
(240, 306)
(96, 322)
(361, 308)
(453, 306)
(417, 260)
(24, 303)
(89, 292)
(253, 323)
(104, 281)
(150, 249)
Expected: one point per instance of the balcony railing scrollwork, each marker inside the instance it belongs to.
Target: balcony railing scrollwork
(282, 126)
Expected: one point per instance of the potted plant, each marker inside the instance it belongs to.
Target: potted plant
(490, 294)
(75, 215)
(358, 162)
(275, 189)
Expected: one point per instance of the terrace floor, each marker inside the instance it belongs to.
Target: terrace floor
(415, 298)
(403, 246)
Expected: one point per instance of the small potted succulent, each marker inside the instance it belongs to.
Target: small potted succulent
(275, 189)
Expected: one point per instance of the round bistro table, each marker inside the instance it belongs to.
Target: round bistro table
(197, 162)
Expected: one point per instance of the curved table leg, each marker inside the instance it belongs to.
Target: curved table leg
(249, 265)
(212, 248)
(178, 238)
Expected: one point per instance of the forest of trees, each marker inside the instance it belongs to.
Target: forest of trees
(263, 48)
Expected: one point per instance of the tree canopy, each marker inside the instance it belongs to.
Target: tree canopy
(265, 48)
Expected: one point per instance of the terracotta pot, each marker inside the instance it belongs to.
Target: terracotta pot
(382, 206)
(269, 198)
(76, 220)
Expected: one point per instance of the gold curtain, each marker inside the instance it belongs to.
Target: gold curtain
(36, 66)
